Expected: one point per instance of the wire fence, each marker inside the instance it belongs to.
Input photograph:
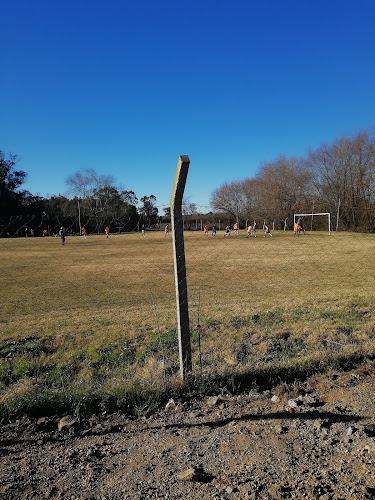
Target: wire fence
(97, 315)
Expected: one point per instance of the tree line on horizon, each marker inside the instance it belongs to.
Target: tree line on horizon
(338, 178)
(95, 203)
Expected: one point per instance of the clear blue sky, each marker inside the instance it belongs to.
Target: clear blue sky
(125, 87)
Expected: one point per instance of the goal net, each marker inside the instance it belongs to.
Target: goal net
(327, 214)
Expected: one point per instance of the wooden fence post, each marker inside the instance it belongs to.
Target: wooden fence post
(179, 266)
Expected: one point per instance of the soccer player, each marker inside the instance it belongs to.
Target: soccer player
(296, 230)
(235, 228)
(249, 231)
(84, 233)
(227, 231)
(254, 230)
(267, 231)
(301, 228)
(143, 230)
(205, 229)
(62, 235)
(214, 230)
(107, 231)
(166, 231)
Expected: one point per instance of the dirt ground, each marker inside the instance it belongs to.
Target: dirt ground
(315, 440)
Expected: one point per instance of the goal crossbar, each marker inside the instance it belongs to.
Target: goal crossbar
(322, 213)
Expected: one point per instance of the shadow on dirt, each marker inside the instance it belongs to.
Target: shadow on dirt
(327, 419)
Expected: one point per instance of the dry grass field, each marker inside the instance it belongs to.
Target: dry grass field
(97, 316)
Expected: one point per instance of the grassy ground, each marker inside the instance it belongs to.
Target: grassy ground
(96, 317)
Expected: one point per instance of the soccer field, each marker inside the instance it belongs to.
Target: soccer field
(89, 308)
(39, 276)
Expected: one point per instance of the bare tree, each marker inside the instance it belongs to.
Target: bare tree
(231, 198)
(285, 186)
(188, 207)
(84, 185)
(254, 203)
(345, 172)
(338, 178)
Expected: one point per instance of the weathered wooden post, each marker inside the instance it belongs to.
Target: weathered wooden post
(179, 266)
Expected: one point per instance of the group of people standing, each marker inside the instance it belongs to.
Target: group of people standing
(251, 230)
(205, 230)
(298, 228)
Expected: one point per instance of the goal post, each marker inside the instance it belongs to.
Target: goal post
(313, 215)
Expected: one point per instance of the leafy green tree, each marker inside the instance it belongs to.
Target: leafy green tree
(60, 211)
(167, 213)
(127, 216)
(10, 182)
(148, 210)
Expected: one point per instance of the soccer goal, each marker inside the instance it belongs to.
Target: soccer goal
(313, 215)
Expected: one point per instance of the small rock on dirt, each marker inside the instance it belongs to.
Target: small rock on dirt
(65, 423)
(214, 400)
(292, 403)
(191, 474)
(171, 405)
